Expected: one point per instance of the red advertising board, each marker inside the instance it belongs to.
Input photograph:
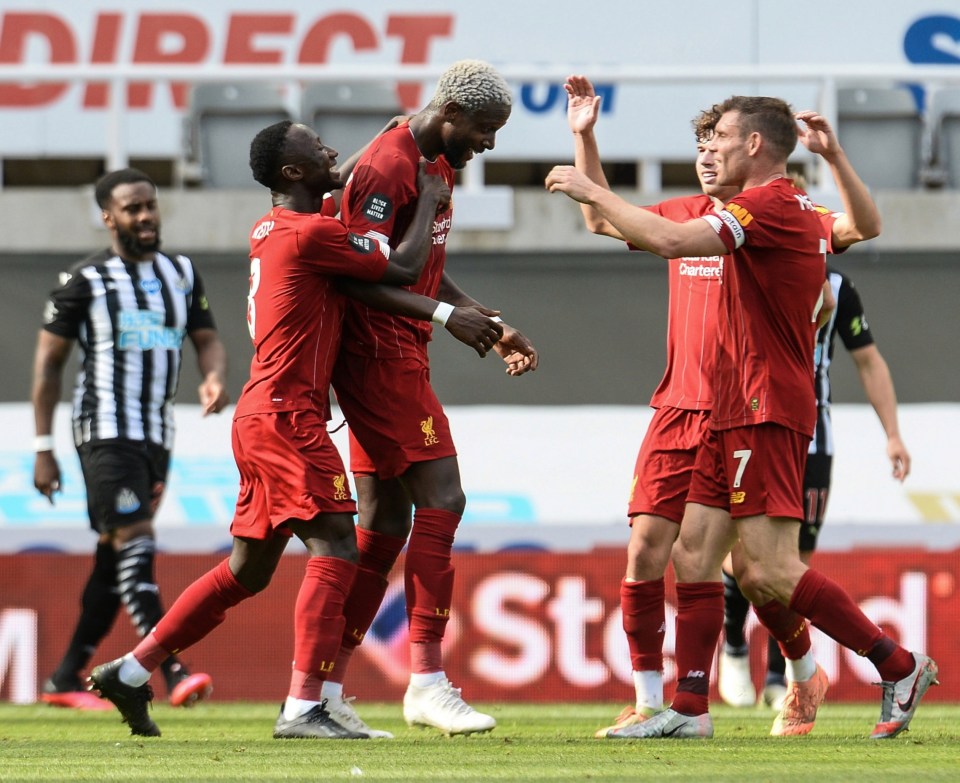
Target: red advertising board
(528, 626)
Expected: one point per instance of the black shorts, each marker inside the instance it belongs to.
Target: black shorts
(119, 476)
(816, 490)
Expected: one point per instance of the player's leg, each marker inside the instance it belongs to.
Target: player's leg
(734, 680)
(318, 627)
(431, 700)
(774, 571)
(706, 535)
(661, 480)
(99, 605)
(384, 523)
(642, 609)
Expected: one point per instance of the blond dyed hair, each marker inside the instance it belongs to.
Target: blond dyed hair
(473, 85)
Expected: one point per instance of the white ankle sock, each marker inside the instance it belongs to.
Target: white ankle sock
(131, 672)
(331, 690)
(294, 708)
(426, 680)
(802, 669)
(649, 687)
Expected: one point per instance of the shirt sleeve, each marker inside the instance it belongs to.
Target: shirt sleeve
(67, 306)
(200, 316)
(327, 245)
(377, 194)
(851, 322)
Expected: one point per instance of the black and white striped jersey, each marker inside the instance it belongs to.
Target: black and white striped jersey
(129, 319)
(850, 322)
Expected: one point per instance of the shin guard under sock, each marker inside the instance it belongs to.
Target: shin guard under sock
(699, 623)
(642, 606)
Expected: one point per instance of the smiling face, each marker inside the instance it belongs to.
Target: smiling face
(707, 174)
(728, 151)
(133, 216)
(467, 134)
(313, 162)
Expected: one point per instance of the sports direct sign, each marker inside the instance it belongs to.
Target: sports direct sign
(679, 62)
(526, 626)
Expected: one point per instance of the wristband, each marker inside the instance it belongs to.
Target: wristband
(43, 443)
(442, 313)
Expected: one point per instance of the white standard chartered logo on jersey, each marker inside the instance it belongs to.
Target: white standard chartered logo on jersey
(710, 267)
(143, 330)
(440, 230)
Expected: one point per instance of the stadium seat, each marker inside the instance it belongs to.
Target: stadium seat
(347, 116)
(882, 132)
(221, 121)
(944, 112)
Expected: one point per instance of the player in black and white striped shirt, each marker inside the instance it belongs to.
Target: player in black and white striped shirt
(128, 308)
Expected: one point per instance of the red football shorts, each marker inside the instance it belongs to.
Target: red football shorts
(661, 477)
(392, 413)
(289, 469)
(752, 471)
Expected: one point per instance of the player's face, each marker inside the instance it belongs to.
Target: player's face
(465, 135)
(316, 161)
(727, 150)
(133, 216)
(707, 174)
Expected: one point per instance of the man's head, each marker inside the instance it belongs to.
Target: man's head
(703, 126)
(751, 135)
(128, 202)
(474, 102)
(288, 153)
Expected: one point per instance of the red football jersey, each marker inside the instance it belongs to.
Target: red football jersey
(379, 201)
(694, 299)
(294, 312)
(771, 292)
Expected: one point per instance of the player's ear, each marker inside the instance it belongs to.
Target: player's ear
(292, 172)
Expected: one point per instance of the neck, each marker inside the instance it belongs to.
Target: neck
(424, 127)
(765, 176)
(297, 202)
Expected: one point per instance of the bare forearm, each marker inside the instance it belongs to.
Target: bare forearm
(862, 219)
(878, 386)
(586, 158)
(389, 298)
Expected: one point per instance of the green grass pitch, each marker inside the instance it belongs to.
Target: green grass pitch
(549, 742)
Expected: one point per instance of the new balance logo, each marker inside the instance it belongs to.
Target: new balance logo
(696, 674)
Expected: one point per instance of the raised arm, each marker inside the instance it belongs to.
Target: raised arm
(861, 218)
(583, 110)
(878, 385)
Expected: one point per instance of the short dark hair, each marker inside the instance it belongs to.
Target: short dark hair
(772, 118)
(705, 123)
(103, 189)
(267, 152)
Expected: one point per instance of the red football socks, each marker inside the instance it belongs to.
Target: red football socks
(377, 554)
(699, 622)
(791, 630)
(196, 612)
(319, 623)
(830, 609)
(642, 606)
(428, 581)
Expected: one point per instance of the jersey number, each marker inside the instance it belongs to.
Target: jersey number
(743, 455)
(251, 303)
